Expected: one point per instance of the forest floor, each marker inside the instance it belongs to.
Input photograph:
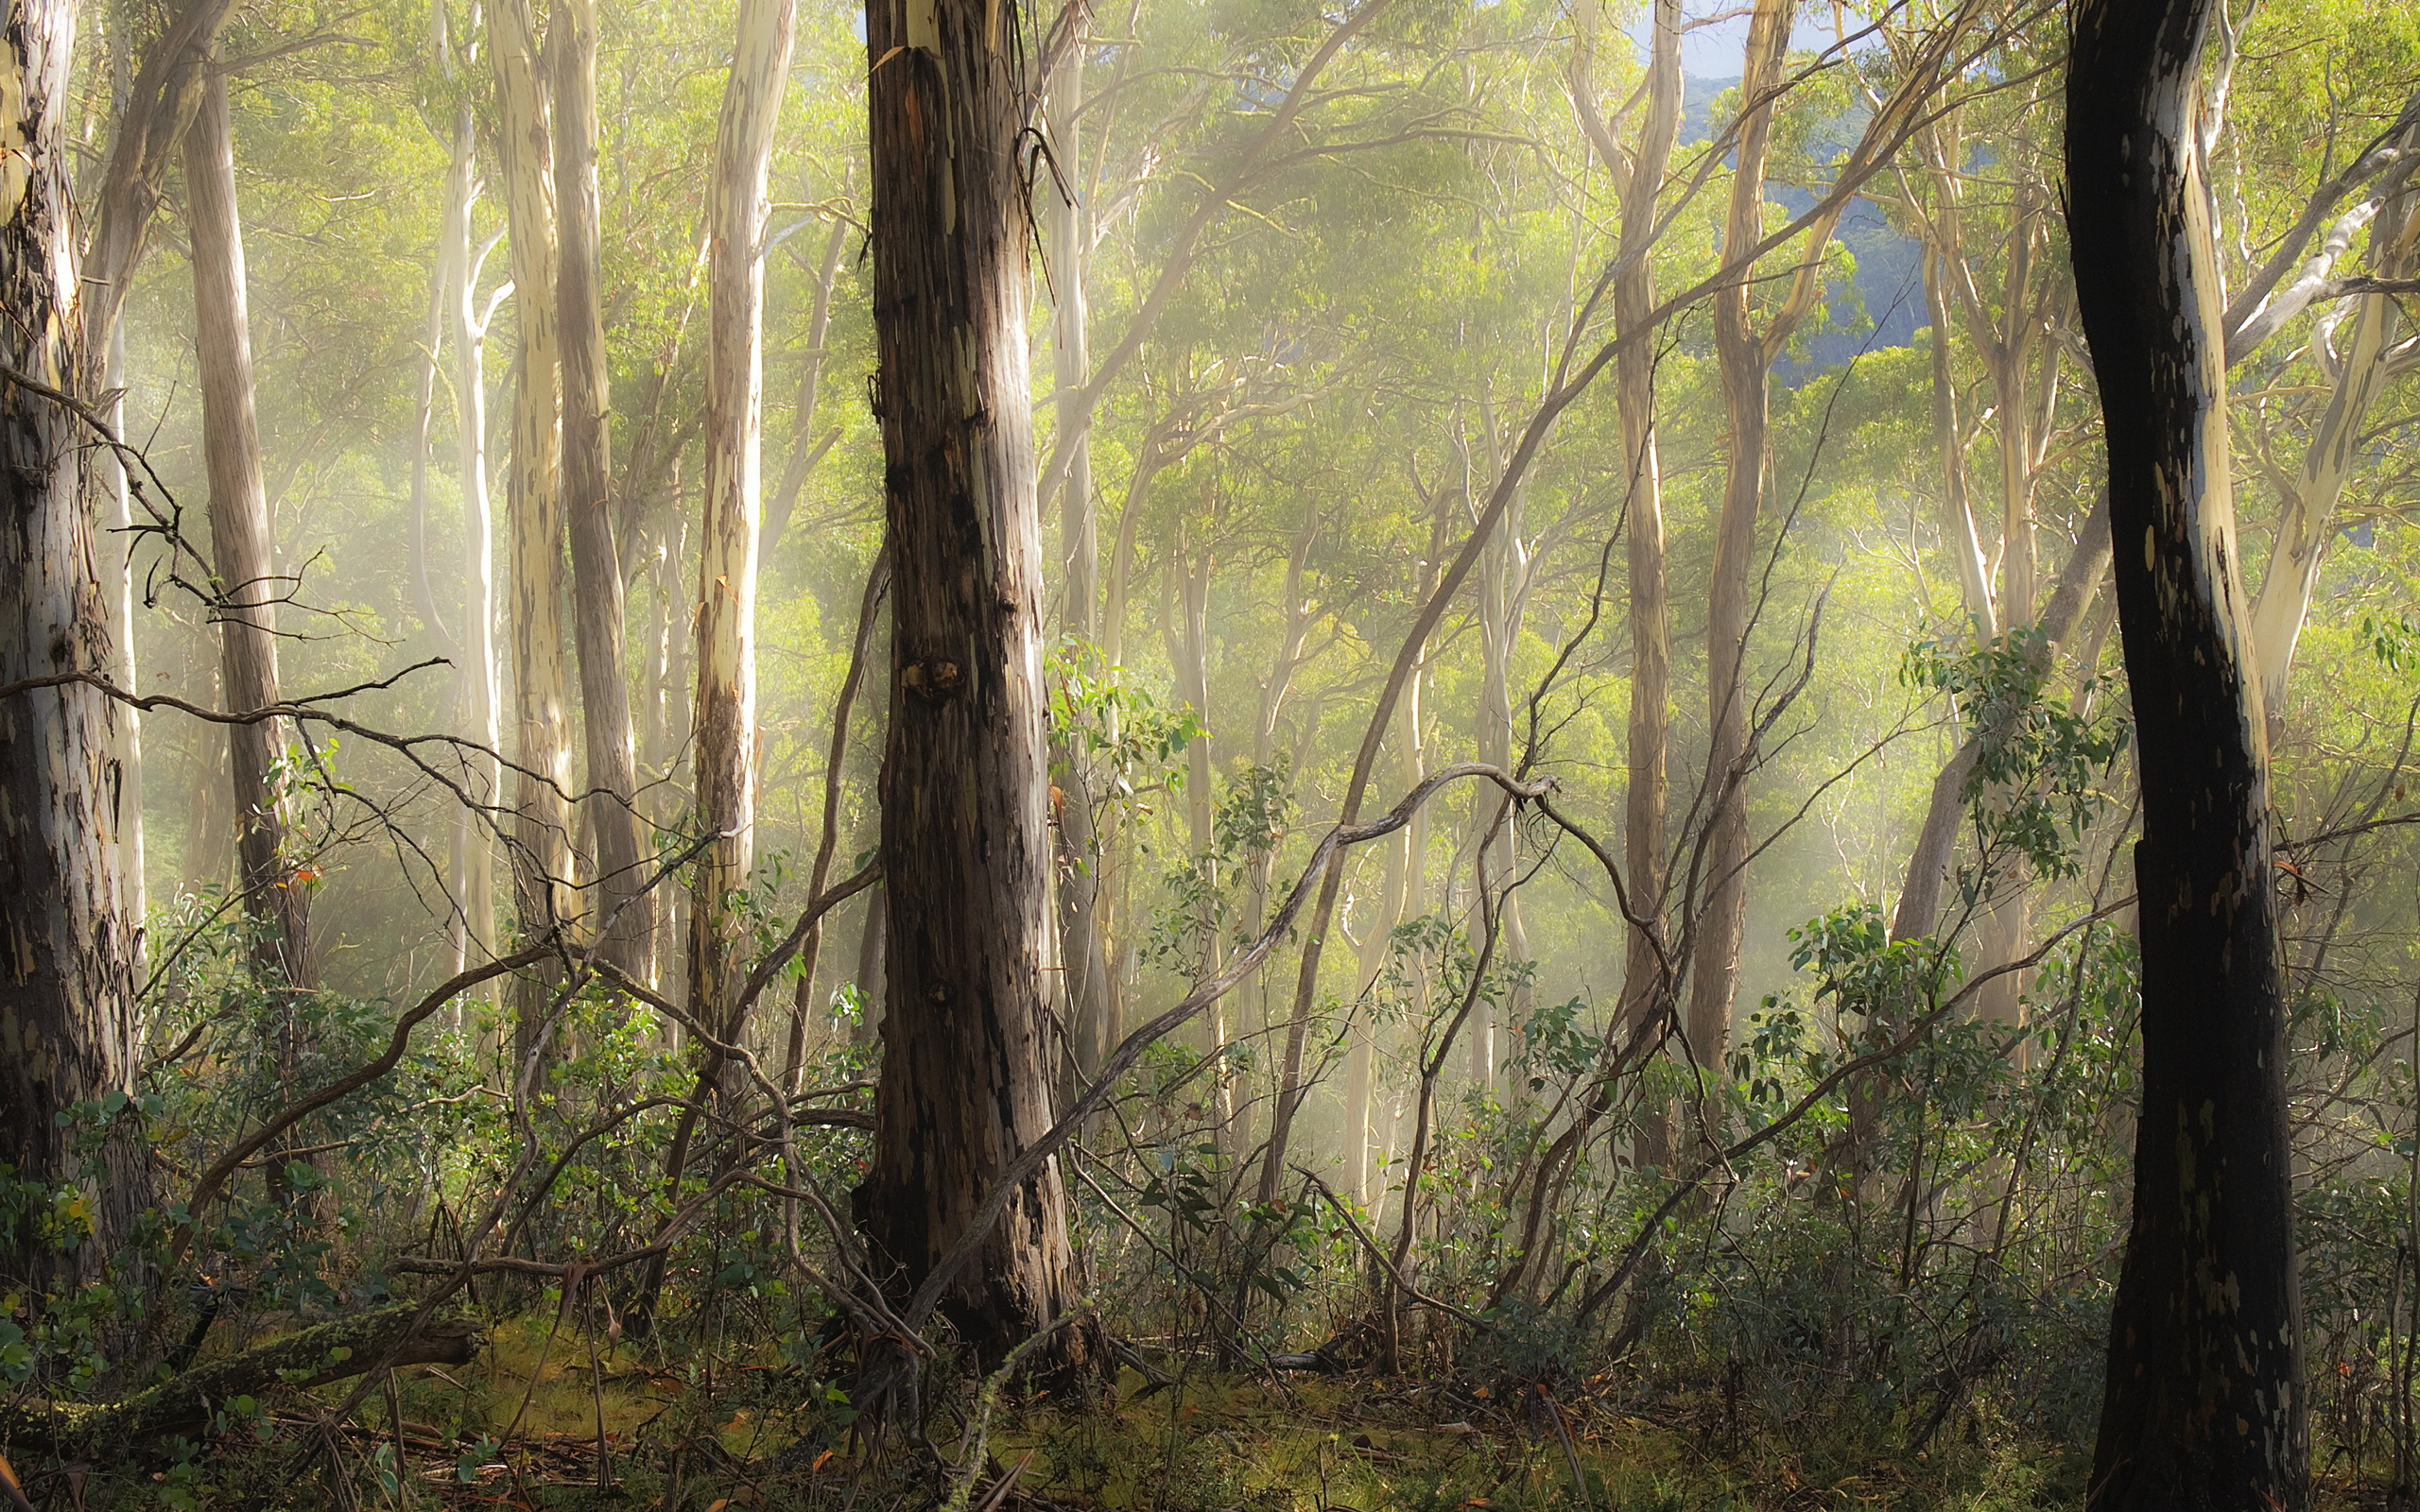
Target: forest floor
(519, 1430)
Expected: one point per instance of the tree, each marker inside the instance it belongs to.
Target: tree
(534, 504)
(243, 553)
(966, 848)
(1745, 357)
(625, 910)
(67, 1012)
(2205, 1404)
(725, 726)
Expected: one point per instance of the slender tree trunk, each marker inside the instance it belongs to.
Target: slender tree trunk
(1068, 230)
(119, 556)
(474, 858)
(1959, 532)
(966, 848)
(1646, 992)
(828, 842)
(67, 1012)
(1489, 837)
(1919, 906)
(2307, 522)
(873, 938)
(159, 107)
(1085, 962)
(2204, 1401)
(1399, 901)
(1190, 650)
(1745, 359)
(624, 911)
(806, 448)
(725, 722)
(542, 818)
(243, 558)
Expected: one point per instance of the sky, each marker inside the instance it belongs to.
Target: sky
(1711, 50)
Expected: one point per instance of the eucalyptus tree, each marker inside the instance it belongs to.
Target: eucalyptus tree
(534, 500)
(623, 909)
(67, 1004)
(248, 583)
(966, 1085)
(2205, 1403)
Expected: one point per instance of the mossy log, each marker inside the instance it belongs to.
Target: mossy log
(183, 1403)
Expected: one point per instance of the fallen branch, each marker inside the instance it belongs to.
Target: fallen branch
(185, 1404)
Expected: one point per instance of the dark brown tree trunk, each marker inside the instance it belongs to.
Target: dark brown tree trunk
(66, 944)
(623, 910)
(2204, 1404)
(276, 901)
(965, 843)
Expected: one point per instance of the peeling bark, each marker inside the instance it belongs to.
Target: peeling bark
(66, 945)
(965, 846)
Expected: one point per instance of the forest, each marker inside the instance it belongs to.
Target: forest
(1210, 755)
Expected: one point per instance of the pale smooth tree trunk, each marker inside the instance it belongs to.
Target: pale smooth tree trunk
(474, 852)
(724, 723)
(119, 556)
(1252, 995)
(1744, 357)
(1084, 961)
(965, 844)
(1492, 848)
(1398, 901)
(542, 818)
(441, 283)
(1189, 652)
(119, 559)
(243, 558)
(1067, 231)
(2307, 522)
(2205, 1406)
(622, 909)
(1647, 988)
(67, 1012)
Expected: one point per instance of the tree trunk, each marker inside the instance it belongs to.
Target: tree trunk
(1745, 360)
(276, 901)
(1189, 632)
(119, 580)
(1646, 992)
(2308, 521)
(725, 723)
(1400, 901)
(542, 783)
(623, 910)
(806, 448)
(1493, 848)
(474, 854)
(67, 1019)
(158, 110)
(2205, 1404)
(1067, 227)
(1085, 960)
(966, 848)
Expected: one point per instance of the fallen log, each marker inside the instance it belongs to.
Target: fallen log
(185, 1402)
